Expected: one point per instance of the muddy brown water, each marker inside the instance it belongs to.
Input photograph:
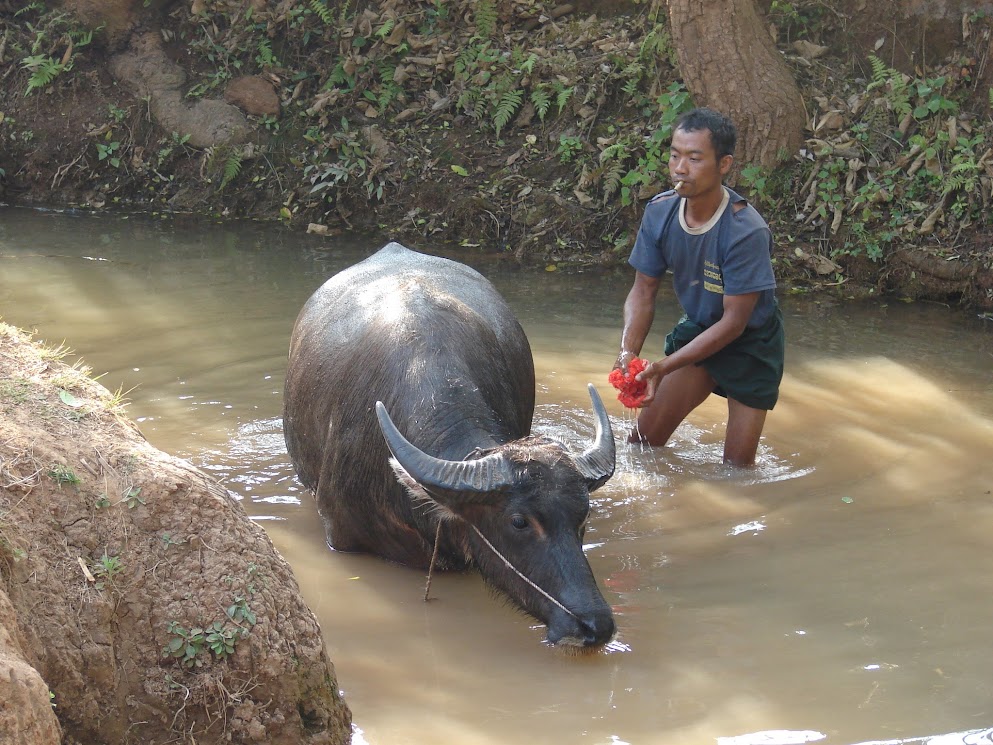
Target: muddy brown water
(840, 592)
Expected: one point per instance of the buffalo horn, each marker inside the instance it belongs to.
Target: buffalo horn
(447, 479)
(598, 460)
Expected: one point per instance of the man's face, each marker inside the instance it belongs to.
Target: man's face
(693, 160)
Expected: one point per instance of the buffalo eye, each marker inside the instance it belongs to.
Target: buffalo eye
(519, 521)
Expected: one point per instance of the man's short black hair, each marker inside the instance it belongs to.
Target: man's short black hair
(723, 134)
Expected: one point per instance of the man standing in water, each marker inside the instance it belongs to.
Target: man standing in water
(718, 248)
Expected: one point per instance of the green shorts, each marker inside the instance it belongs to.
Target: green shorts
(749, 369)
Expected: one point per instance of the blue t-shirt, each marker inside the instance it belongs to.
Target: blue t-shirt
(734, 257)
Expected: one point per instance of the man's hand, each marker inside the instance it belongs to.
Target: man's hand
(623, 360)
(652, 375)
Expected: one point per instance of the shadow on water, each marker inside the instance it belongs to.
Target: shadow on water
(837, 593)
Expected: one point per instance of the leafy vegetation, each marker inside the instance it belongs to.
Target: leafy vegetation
(903, 161)
(63, 474)
(537, 132)
(192, 647)
(105, 569)
(47, 32)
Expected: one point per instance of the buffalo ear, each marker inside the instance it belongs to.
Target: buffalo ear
(418, 494)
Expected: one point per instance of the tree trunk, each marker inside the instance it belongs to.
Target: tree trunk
(729, 63)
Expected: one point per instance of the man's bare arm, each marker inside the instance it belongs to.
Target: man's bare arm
(639, 312)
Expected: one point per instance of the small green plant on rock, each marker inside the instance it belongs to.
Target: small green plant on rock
(170, 540)
(133, 497)
(106, 151)
(569, 148)
(221, 640)
(8, 549)
(239, 611)
(62, 474)
(185, 645)
(105, 569)
(189, 647)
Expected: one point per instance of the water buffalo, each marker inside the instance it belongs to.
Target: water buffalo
(420, 356)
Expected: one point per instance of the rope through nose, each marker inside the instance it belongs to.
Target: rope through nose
(520, 574)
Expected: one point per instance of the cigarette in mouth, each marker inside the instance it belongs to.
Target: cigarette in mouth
(678, 185)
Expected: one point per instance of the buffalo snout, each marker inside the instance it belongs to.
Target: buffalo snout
(590, 630)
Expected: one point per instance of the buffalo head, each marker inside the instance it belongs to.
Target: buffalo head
(523, 506)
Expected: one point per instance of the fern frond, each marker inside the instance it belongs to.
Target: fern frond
(232, 167)
(388, 93)
(618, 151)
(266, 57)
(80, 37)
(632, 74)
(469, 101)
(880, 72)
(542, 100)
(387, 28)
(509, 103)
(486, 18)
(899, 95)
(44, 70)
(36, 6)
(562, 95)
(467, 58)
(633, 70)
(478, 108)
(612, 175)
(339, 79)
(657, 43)
(322, 11)
(527, 67)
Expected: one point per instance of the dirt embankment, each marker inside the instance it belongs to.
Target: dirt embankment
(138, 603)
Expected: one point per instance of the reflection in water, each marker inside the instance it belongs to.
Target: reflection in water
(840, 588)
(785, 737)
(772, 737)
(270, 480)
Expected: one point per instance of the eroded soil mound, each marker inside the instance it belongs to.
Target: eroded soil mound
(134, 587)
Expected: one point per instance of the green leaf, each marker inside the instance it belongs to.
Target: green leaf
(68, 399)
(460, 170)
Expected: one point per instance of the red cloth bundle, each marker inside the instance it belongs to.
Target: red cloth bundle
(631, 391)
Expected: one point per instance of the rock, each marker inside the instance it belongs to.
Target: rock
(254, 95)
(147, 72)
(809, 50)
(26, 714)
(108, 566)
(114, 18)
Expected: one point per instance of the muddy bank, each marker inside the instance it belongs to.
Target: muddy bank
(138, 603)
